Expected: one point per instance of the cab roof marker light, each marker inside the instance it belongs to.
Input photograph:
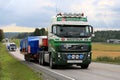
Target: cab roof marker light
(59, 14)
(82, 14)
(70, 14)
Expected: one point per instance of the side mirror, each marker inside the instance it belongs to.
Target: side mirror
(92, 31)
(93, 35)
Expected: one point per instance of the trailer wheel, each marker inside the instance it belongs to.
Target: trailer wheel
(84, 66)
(52, 66)
(27, 57)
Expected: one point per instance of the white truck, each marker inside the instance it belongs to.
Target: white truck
(11, 46)
(69, 41)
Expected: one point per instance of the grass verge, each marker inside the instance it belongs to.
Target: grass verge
(16, 41)
(12, 69)
(107, 59)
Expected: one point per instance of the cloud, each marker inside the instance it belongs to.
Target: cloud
(14, 28)
(25, 7)
(101, 13)
(38, 13)
(3, 3)
(32, 13)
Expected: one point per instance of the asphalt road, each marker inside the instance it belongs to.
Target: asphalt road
(96, 71)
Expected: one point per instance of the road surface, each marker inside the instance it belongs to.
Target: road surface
(96, 71)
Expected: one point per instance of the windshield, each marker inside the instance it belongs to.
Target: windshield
(12, 45)
(71, 30)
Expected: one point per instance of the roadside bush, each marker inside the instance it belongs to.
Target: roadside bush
(1, 35)
(104, 59)
(117, 59)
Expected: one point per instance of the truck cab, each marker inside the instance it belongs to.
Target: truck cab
(69, 40)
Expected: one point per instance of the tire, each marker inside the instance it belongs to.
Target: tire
(27, 57)
(84, 66)
(42, 59)
(52, 66)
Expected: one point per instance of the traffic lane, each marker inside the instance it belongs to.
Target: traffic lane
(99, 71)
(96, 71)
(46, 69)
(76, 73)
(108, 67)
(17, 54)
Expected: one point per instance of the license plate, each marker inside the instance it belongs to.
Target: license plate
(74, 61)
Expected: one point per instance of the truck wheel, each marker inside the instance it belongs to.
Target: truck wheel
(84, 66)
(28, 57)
(25, 57)
(51, 63)
(42, 60)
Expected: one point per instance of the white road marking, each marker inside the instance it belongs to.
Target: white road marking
(56, 72)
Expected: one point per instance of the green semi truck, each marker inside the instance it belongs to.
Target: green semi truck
(69, 41)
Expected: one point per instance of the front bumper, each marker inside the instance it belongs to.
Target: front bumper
(62, 58)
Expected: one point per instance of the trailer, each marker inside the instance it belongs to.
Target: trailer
(30, 47)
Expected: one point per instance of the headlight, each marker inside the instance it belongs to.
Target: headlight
(77, 56)
(59, 55)
(69, 56)
(81, 56)
(89, 54)
(73, 56)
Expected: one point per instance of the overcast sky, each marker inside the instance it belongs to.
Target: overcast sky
(102, 14)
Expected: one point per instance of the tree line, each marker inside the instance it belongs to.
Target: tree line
(100, 36)
(1, 35)
(103, 36)
(37, 32)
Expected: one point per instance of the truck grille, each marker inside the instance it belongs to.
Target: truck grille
(74, 47)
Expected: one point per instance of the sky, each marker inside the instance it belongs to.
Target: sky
(16, 15)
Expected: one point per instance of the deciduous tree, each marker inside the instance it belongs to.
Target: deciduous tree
(1, 35)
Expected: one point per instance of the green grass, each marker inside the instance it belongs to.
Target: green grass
(12, 69)
(115, 60)
(16, 41)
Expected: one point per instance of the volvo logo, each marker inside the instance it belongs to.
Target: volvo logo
(67, 46)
